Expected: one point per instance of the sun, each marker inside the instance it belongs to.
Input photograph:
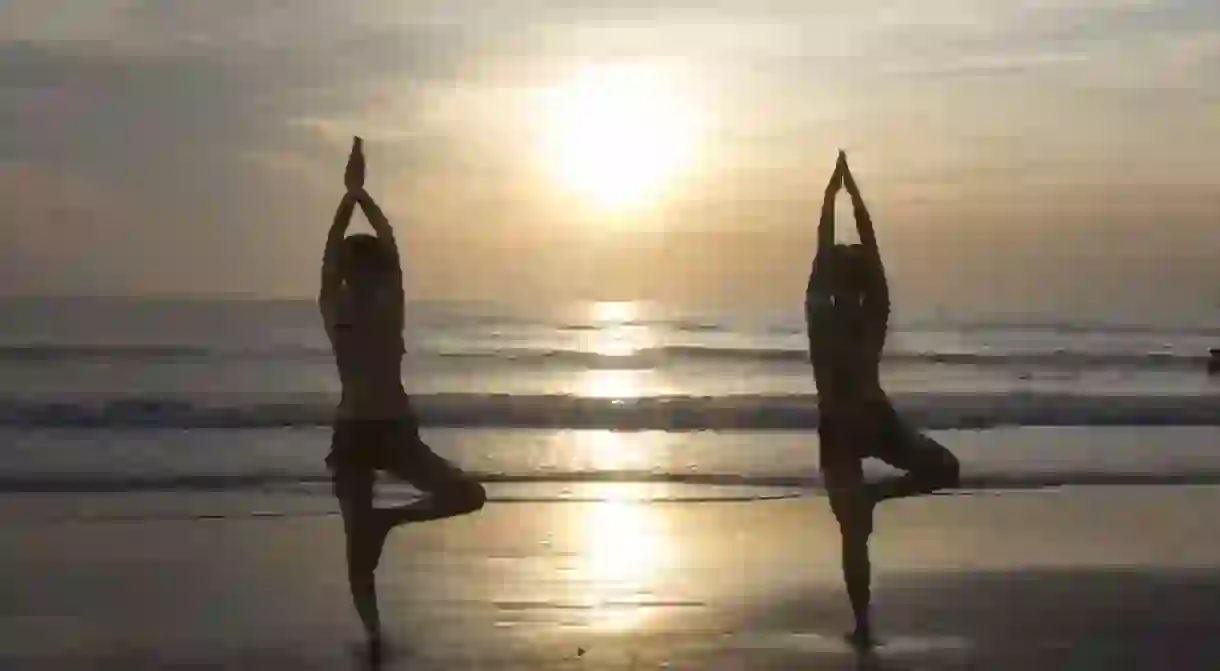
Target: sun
(618, 135)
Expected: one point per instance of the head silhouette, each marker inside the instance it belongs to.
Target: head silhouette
(366, 264)
(849, 275)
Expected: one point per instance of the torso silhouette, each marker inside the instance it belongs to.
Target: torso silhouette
(368, 344)
(853, 345)
(845, 344)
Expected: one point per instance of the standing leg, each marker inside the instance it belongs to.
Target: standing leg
(365, 537)
(853, 509)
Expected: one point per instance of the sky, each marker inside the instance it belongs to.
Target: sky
(1019, 157)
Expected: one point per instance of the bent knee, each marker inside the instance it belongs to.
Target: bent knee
(933, 461)
(475, 495)
(945, 471)
(952, 467)
(466, 496)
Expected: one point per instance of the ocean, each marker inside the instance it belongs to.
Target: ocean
(119, 394)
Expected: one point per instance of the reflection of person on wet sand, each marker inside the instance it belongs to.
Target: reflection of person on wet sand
(375, 429)
(847, 310)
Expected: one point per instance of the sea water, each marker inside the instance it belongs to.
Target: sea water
(116, 394)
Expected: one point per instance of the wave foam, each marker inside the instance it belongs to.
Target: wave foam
(675, 413)
(762, 487)
(640, 358)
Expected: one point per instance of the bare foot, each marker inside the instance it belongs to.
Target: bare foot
(371, 653)
(861, 639)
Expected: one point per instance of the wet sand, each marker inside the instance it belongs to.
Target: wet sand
(1083, 578)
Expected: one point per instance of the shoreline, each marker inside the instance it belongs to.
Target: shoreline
(533, 464)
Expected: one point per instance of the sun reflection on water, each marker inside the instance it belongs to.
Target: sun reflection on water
(620, 384)
(618, 329)
(615, 312)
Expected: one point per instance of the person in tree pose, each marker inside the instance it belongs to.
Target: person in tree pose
(361, 301)
(847, 307)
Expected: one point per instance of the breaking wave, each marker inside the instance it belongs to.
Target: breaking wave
(933, 410)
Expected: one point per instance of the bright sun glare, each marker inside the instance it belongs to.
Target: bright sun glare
(618, 135)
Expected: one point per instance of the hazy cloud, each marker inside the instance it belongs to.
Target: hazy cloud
(219, 128)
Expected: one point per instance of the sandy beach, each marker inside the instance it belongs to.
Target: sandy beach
(1084, 578)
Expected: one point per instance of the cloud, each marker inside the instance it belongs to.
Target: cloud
(61, 20)
(219, 127)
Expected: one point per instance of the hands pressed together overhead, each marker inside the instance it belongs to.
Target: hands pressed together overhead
(842, 177)
(848, 180)
(353, 176)
(836, 178)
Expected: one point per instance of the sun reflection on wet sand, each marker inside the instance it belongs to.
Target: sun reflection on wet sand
(625, 552)
(608, 452)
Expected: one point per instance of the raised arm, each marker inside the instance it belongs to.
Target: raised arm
(354, 179)
(877, 297)
(818, 289)
(332, 276)
(864, 224)
(381, 225)
(826, 225)
(332, 272)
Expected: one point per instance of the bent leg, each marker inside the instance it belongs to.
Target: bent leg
(365, 538)
(929, 467)
(452, 492)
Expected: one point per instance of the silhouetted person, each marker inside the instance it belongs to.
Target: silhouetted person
(375, 429)
(847, 308)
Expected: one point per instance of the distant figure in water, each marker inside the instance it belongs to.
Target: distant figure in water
(847, 307)
(1213, 364)
(375, 429)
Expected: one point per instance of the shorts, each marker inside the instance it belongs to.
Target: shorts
(874, 431)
